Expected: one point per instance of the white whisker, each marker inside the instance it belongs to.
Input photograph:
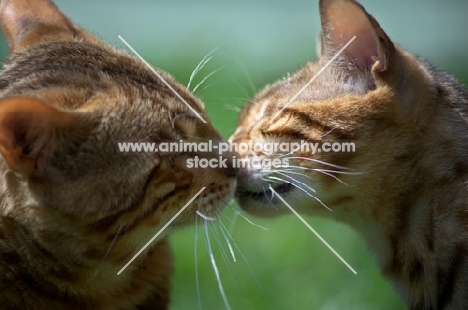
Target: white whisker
(201, 64)
(338, 172)
(335, 177)
(293, 172)
(206, 77)
(323, 171)
(302, 183)
(233, 108)
(319, 161)
(280, 180)
(247, 220)
(229, 244)
(265, 179)
(225, 257)
(108, 251)
(204, 89)
(207, 218)
(307, 193)
(215, 268)
(222, 227)
(196, 265)
(293, 151)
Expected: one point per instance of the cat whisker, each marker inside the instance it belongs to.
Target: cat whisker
(280, 171)
(246, 219)
(196, 265)
(270, 179)
(228, 243)
(273, 181)
(224, 255)
(326, 172)
(208, 86)
(108, 251)
(297, 181)
(233, 221)
(293, 151)
(330, 174)
(201, 64)
(215, 267)
(232, 106)
(334, 177)
(246, 72)
(226, 258)
(241, 100)
(243, 86)
(298, 168)
(196, 254)
(223, 213)
(270, 199)
(206, 77)
(338, 172)
(205, 217)
(312, 169)
(319, 162)
(223, 227)
(306, 192)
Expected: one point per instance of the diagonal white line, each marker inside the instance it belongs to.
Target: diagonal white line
(162, 79)
(313, 78)
(162, 229)
(316, 233)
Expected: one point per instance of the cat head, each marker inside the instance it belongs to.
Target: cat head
(66, 102)
(356, 104)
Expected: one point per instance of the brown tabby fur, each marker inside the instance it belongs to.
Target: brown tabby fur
(408, 195)
(66, 192)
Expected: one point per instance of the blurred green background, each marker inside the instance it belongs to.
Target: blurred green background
(259, 42)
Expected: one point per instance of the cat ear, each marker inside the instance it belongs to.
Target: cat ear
(28, 128)
(27, 22)
(344, 19)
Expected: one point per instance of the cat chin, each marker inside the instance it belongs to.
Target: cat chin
(262, 210)
(264, 203)
(267, 204)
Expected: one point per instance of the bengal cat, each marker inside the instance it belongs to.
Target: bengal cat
(73, 209)
(404, 188)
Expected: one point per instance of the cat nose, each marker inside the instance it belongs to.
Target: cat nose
(232, 170)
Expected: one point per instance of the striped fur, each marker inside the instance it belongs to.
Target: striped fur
(66, 192)
(407, 193)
